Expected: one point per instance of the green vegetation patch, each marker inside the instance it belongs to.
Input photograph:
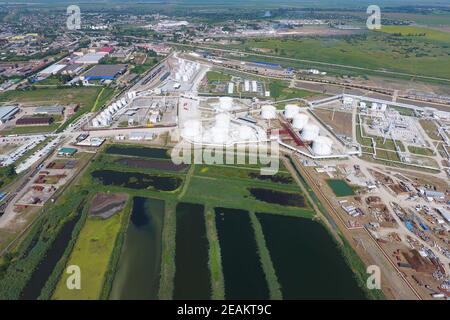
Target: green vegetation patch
(91, 253)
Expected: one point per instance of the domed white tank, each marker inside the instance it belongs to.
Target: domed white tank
(245, 133)
(299, 121)
(322, 146)
(124, 102)
(222, 120)
(268, 112)
(310, 132)
(119, 104)
(192, 129)
(226, 103)
(115, 107)
(291, 110)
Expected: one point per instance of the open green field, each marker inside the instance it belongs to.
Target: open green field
(422, 55)
(420, 151)
(217, 76)
(418, 33)
(91, 253)
(84, 96)
(31, 129)
(280, 90)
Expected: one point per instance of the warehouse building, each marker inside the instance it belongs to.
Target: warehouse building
(52, 70)
(91, 58)
(49, 110)
(67, 152)
(34, 121)
(105, 72)
(7, 113)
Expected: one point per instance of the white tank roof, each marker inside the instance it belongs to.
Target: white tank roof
(268, 112)
(290, 110)
(299, 121)
(310, 132)
(322, 146)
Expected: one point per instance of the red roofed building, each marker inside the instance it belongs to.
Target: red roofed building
(105, 49)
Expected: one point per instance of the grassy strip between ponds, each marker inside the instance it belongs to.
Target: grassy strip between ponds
(33, 249)
(166, 283)
(92, 253)
(266, 261)
(215, 258)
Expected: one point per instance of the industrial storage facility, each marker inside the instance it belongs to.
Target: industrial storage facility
(105, 72)
(7, 113)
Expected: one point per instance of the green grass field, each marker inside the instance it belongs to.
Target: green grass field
(84, 96)
(217, 76)
(92, 254)
(422, 55)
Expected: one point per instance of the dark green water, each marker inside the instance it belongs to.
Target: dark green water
(306, 259)
(192, 277)
(278, 197)
(136, 180)
(244, 277)
(138, 152)
(340, 188)
(45, 268)
(138, 271)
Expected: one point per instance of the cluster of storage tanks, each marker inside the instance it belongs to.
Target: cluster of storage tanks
(309, 132)
(185, 70)
(104, 118)
(219, 133)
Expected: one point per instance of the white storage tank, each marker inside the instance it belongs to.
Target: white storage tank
(268, 112)
(310, 132)
(95, 123)
(192, 129)
(290, 110)
(124, 102)
(322, 146)
(299, 121)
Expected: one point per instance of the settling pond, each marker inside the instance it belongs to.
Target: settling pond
(340, 188)
(307, 261)
(138, 152)
(136, 180)
(138, 271)
(192, 276)
(243, 274)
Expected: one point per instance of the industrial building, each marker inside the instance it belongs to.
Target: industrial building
(105, 72)
(67, 152)
(49, 110)
(7, 113)
(91, 58)
(34, 121)
(52, 70)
